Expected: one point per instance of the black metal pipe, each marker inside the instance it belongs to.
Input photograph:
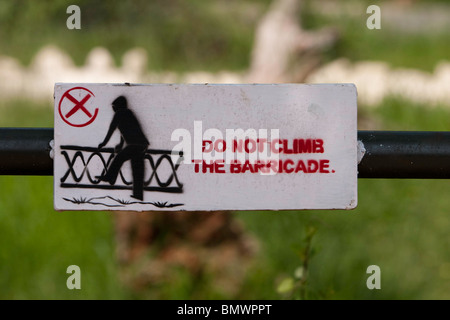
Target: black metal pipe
(389, 154)
(26, 151)
(405, 154)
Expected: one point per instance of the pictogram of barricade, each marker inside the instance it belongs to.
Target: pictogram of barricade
(152, 160)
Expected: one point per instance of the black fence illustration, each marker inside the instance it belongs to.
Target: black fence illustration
(86, 178)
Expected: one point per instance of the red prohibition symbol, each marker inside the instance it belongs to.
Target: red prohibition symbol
(82, 116)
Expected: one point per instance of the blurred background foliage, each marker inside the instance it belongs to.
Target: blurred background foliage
(206, 35)
(400, 225)
(178, 35)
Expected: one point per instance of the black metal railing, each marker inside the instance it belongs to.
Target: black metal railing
(388, 154)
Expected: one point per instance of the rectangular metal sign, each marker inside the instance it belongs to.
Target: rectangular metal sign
(205, 147)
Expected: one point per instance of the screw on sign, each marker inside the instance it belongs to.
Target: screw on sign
(76, 107)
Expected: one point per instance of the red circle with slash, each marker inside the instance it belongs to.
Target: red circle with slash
(77, 107)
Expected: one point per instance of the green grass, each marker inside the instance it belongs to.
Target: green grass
(38, 244)
(399, 225)
(397, 114)
(417, 50)
(24, 113)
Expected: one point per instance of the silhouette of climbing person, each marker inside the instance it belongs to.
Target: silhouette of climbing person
(136, 146)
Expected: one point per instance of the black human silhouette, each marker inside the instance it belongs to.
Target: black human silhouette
(136, 146)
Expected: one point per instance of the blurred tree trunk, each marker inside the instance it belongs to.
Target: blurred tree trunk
(153, 243)
(283, 51)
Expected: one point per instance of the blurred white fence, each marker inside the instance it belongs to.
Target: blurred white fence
(374, 80)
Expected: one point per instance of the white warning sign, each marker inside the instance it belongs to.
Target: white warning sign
(205, 147)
